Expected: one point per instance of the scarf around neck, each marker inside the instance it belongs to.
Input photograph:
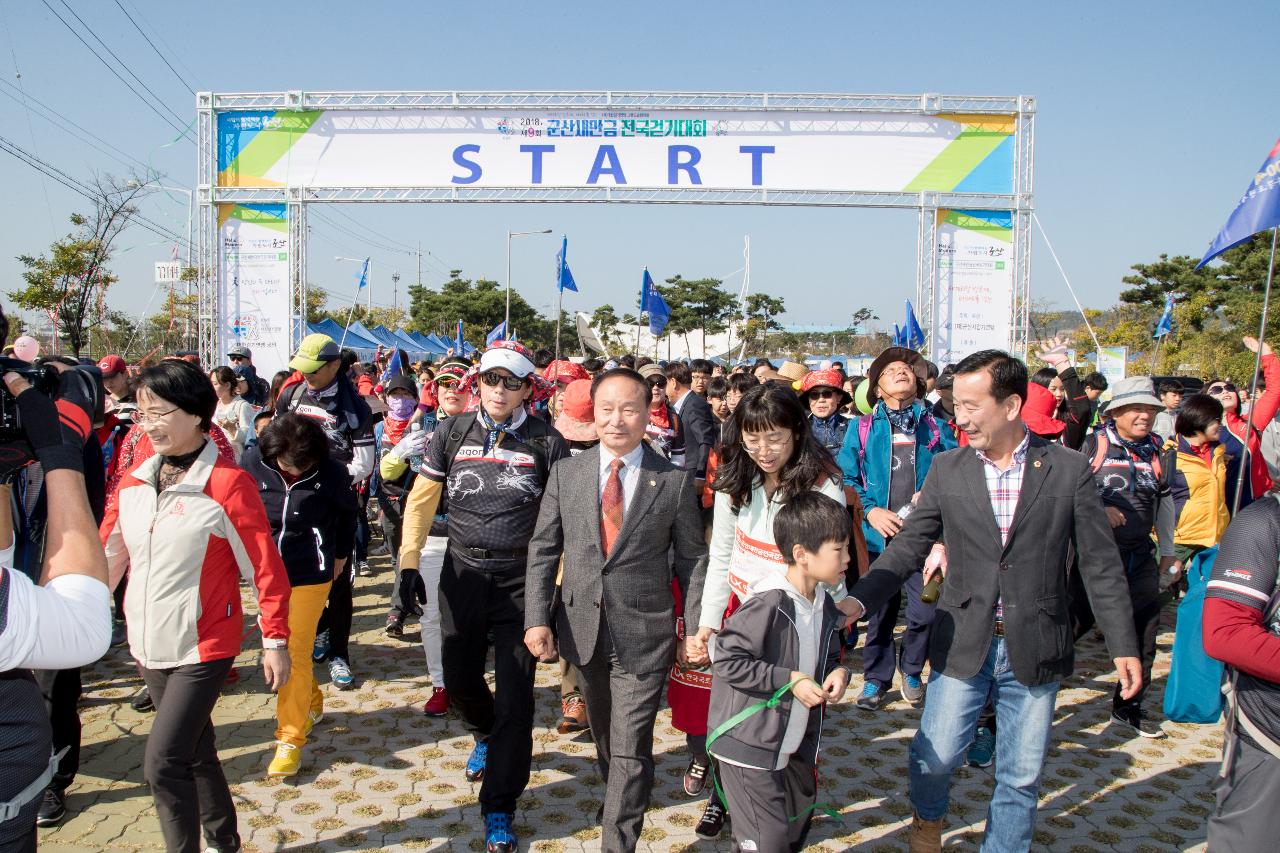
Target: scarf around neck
(904, 419)
(494, 429)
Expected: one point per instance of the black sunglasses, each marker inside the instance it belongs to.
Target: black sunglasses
(236, 357)
(821, 394)
(1226, 386)
(511, 383)
(656, 381)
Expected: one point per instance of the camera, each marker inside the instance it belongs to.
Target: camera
(15, 450)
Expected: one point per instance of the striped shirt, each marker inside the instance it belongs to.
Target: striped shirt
(1004, 487)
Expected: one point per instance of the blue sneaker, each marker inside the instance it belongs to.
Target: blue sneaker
(320, 648)
(913, 690)
(340, 674)
(498, 837)
(475, 767)
(872, 697)
(983, 749)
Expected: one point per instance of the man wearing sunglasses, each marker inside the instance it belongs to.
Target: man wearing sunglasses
(494, 463)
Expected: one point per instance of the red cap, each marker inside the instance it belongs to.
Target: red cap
(564, 371)
(577, 421)
(112, 364)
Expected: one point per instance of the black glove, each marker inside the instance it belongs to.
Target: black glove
(58, 428)
(412, 589)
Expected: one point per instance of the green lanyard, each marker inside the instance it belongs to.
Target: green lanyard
(750, 711)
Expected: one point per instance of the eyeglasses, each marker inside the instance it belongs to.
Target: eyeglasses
(448, 380)
(755, 448)
(511, 383)
(1220, 389)
(151, 417)
(823, 394)
(235, 357)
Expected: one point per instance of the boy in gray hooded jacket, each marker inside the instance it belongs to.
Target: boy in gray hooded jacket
(775, 665)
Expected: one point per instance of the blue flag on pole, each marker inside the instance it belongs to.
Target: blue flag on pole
(497, 333)
(1257, 210)
(898, 339)
(1165, 326)
(563, 276)
(364, 275)
(458, 341)
(912, 334)
(394, 366)
(651, 300)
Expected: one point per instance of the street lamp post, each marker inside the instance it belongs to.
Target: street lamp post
(134, 184)
(506, 321)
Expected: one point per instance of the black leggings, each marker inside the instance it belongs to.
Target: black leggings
(181, 762)
(336, 618)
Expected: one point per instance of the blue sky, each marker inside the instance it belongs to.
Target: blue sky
(1151, 118)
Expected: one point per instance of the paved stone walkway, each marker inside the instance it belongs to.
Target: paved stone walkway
(380, 776)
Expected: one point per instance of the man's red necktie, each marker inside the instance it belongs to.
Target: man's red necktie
(611, 507)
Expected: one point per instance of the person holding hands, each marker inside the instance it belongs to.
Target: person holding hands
(784, 640)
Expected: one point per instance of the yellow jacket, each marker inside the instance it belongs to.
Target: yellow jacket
(1199, 495)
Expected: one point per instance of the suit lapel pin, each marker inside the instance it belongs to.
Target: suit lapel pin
(653, 482)
(1036, 464)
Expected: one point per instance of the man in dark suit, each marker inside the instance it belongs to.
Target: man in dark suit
(615, 513)
(1006, 509)
(697, 423)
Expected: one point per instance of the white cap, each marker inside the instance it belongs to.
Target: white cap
(509, 359)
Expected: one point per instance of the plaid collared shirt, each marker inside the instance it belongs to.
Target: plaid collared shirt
(1004, 487)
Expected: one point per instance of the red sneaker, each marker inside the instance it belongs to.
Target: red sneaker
(233, 676)
(438, 704)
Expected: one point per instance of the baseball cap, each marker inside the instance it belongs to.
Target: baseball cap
(313, 353)
(510, 356)
(400, 382)
(244, 352)
(112, 364)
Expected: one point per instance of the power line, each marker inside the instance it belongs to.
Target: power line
(60, 121)
(156, 49)
(112, 69)
(159, 36)
(77, 186)
(17, 73)
(398, 245)
(120, 61)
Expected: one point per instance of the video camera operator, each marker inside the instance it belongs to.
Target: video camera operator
(63, 623)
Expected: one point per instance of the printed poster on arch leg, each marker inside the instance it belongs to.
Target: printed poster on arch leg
(253, 244)
(974, 293)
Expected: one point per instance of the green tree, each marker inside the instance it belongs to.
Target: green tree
(69, 283)
(606, 323)
(861, 317)
(762, 311)
(481, 305)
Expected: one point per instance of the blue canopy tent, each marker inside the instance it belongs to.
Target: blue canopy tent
(426, 342)
(416, 351)
(467, 349)
(362, 345)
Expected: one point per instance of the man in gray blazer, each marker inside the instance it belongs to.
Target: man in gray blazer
(616, 514)
(1006, 508)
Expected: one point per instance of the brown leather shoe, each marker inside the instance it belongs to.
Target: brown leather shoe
(573, 712)
(926, 835)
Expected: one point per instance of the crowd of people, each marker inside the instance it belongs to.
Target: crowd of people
(712, 538)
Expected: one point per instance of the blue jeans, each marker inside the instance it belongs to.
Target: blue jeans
(1024, 718)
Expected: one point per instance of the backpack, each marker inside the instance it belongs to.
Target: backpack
(460, 425)
(864, 430)
(1193, 690)
(1158, 468)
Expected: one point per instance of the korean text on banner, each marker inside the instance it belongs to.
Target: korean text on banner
(973, 308)
(254, 251)
(1113, 363)
(712, 149)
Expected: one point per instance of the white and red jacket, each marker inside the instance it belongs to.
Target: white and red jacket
(184, 548)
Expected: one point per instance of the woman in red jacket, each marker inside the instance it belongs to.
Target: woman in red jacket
(188, 524)
(1258, 482)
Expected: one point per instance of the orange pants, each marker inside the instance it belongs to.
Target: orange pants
(300, 694)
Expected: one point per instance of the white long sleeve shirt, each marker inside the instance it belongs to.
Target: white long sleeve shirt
(742, 551)
(64, 624)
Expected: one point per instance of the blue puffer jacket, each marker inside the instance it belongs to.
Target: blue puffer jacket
(868, 472)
